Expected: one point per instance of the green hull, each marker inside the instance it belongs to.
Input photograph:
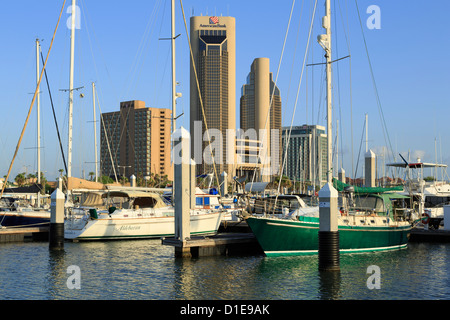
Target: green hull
(279, 237)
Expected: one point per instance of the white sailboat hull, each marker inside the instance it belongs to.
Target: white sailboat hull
(106, 228)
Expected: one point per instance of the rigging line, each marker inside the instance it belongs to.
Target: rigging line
(385, 132)
(360, 145)
(347, 39)
(136, 71)
(339, 98)
(158, 49)
(199, 95)
(146, 48)
(86, 20)
(106, 138)
(32, 102)
(298, 91)
(273, 91)
(54, 116)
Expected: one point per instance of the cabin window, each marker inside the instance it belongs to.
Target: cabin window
(369, 203)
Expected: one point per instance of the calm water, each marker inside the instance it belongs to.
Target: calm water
(138, 270)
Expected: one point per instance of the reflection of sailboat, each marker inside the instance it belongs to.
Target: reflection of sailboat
(369, 227)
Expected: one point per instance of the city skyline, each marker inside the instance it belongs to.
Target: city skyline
(119, 49)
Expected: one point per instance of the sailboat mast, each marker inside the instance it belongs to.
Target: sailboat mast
(95, 133)
(174, 98)
(173, 68)
(72, 53)
(38, 102)
(327, 26)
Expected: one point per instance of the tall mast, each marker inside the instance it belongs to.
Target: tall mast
(325, 42)
(38, 101)
(174, 106)
(95, 133)
(72, 53)
(173, 69)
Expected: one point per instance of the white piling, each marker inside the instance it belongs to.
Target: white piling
(56, 232)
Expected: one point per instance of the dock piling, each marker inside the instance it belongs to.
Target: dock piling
(328, 229)
(56, 232)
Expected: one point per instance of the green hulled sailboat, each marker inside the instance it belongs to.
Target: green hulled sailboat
(372, 223)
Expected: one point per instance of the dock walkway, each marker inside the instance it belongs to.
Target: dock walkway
(219, 244)
(10, 234)
(419, 234)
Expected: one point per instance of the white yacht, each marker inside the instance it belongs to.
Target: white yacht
(135, 215)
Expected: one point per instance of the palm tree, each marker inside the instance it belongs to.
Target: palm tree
(20, 179)
(92, 174)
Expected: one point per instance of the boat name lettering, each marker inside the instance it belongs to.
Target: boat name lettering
(126, 228)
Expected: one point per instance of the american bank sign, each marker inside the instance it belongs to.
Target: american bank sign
(213, 23)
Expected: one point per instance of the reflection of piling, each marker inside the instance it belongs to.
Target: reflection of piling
(328, 229)
(56, 232)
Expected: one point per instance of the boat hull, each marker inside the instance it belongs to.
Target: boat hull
(139, 228)
(279, 237)
(23, 219)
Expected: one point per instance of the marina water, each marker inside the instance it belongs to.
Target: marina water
(148, 270)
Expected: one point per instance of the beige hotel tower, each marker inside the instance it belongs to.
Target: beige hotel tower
(214, 54)
(258, 94)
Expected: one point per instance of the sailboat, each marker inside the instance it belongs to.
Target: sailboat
(430, 196)
(142, 214)
(368, 225)
(17, 212)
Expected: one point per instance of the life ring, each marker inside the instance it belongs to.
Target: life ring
(426, 218)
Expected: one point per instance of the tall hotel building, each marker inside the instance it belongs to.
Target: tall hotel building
(214, 54)
(137, 139)
(307, 155)
(256, 98)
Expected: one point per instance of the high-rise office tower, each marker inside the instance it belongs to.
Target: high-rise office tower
(214, 76)
(138, 140)
(307, 156)
(259, 95)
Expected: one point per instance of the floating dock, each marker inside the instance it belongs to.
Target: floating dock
(419, 234)
(219, 244)
(23, 234)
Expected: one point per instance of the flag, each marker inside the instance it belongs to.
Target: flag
(213, 20)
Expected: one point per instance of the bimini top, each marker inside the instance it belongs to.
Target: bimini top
(143, 199)
(341, 186)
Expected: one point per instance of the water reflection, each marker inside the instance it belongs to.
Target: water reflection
(57, 275)
(136, 270)
(330, 285)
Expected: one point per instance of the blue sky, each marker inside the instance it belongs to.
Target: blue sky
(117, 47)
